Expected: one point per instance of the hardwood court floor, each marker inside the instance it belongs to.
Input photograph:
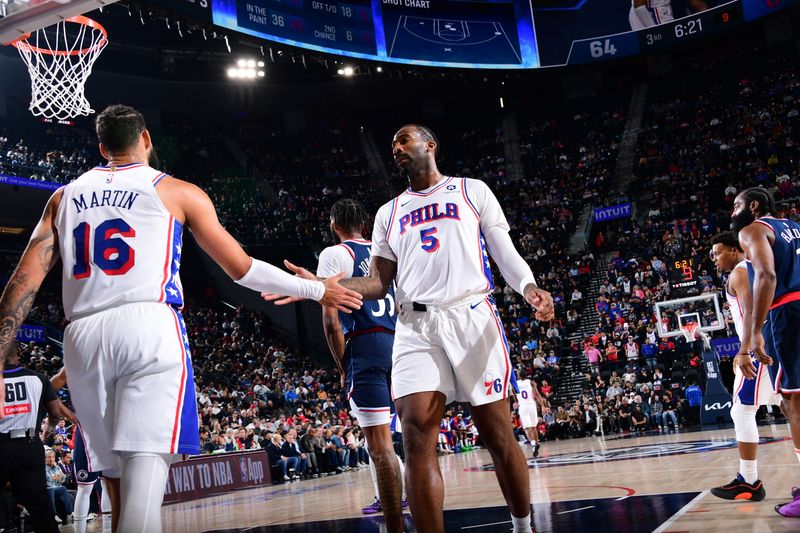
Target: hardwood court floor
(657, 482)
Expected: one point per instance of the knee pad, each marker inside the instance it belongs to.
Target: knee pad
(744, 422)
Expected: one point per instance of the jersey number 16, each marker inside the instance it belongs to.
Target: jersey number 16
(108, 251)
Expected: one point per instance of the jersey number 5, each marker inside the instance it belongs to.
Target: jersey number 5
(429, 243)
(109, 251)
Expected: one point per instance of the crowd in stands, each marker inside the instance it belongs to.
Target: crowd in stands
(47, 153)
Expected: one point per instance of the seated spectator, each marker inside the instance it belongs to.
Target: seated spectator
(60, 500)
(657, 410)
(638, 419)
(61, 428)
(291, 448)
(277, 458)
(671, 405)
(629, 376)
(334, 458)
(614, 390)
(65, 464)
(341, 447)
(311, 444)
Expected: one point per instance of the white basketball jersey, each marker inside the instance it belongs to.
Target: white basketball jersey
(526, 396)
(436, 238)
(736, 309)
(119, 243)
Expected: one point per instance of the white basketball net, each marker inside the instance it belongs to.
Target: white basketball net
(59, 60)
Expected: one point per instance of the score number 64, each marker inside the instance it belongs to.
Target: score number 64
(602, 48)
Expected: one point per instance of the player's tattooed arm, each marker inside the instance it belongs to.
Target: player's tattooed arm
(382, 272)
(37, 260)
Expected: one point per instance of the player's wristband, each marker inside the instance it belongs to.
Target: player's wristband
(263, 277)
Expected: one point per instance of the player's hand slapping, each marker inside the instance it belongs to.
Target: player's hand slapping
(335, 296)
(541, 300)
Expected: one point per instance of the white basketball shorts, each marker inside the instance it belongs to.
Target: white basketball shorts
(758, 391)
(529, 415)
(130, 377)
(459, 350)
(370, 416)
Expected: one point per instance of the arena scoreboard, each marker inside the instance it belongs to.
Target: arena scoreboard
(683, 277)
(497, 34)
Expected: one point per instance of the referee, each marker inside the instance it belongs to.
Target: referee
(28, 395)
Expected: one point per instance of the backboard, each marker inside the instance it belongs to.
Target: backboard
(703, 310)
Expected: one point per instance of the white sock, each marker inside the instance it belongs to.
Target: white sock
(749, 471)
(105, 501)
(82, 500)
(374, 475)
(521, 525)
(644, 15)
(533, 442)
(143, 482)
(797, 453)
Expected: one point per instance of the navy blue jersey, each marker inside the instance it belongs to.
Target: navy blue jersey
(374, 315)
(786, 250)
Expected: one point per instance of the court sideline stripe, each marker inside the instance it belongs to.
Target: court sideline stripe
(674, 518)
(578, 509)
(485, 525)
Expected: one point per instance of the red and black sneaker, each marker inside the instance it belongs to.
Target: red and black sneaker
(739, 490)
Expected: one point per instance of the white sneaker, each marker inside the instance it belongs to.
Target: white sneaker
(58, 520)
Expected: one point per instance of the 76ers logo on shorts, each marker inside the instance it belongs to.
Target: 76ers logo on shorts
(83, 475)
(492, 384)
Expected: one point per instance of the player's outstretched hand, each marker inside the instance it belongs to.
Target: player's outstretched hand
(339, 297)
(541, 300)
(759, 350)
(300, 272)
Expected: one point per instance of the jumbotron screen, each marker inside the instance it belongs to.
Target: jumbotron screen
(497, 34)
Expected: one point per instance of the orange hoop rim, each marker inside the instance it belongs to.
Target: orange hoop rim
(689, 329)
(21, 43)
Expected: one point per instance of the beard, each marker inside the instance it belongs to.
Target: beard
(742, 220)
(152, 158)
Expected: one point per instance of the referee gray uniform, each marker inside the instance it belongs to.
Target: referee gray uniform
(28, 395)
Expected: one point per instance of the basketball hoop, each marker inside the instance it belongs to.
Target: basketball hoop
(689, 330)
(59, 65)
